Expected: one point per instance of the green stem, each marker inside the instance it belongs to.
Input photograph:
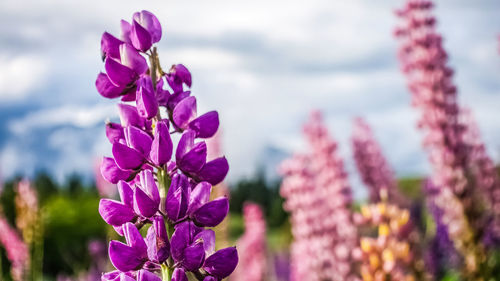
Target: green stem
(166, 273)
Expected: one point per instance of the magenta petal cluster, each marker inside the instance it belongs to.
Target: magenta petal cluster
(169, 195)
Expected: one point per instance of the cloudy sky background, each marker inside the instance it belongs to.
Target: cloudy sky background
(262, 64)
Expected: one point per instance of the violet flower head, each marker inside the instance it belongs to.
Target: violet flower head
(424, 63)
(168, 195)
(374, 169)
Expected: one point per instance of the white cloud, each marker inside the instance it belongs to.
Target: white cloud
(21, 74)
(78, 116)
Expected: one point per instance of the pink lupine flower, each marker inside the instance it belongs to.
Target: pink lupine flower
(374, 169)
(252, 246)
(27, 212)
(318, 197)
(17, 251)
(424, 63)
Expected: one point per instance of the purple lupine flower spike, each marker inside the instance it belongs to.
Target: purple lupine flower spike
(155, 189)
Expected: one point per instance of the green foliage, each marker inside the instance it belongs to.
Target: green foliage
(259, 191)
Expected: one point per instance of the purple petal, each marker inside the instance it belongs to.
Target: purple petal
(222, 263)
(178, 76)
(114, 132)
(179, 241)
(110, 46)
(138, 140)
(130, 93)
(111, 172)
(119, 74)
(193, 256)
(124, 257)
(185, 144)
(140, 37)
(129, 116)
(126, 194)
(209, 278)
(143, 204)
(208, 238)
(206, 125)
(127, 158)
(184, 112)
(147, 105)
(150, 23)
(194, 159)
(134, 239)
(148, 183)
(132, 59)
(199, 196)
(177, 197)
(161, 149)
(116, 275)
(179, 275)
(144, 275)
(175, 98)
(106, 88)
(212, 213)
(114, 212)
(125, 28)
(214, 171)
(157, 241)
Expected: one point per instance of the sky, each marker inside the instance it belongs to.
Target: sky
(264, 65)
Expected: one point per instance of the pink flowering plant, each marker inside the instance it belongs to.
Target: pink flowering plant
(163, 189)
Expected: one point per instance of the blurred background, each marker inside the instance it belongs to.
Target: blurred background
(264, 65)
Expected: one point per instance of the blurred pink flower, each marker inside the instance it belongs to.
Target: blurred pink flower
(374, 169)
(17, 251)
(318, 197)
(252, 265)
(424, 62)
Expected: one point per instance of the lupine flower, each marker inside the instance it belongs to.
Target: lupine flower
(16, 249)
(424, 62)
(375, 172)
(170, 195)
(318, 196)
(390, 254)
(27, 213)
(486, 177)
(252, 245)
(441, 253)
